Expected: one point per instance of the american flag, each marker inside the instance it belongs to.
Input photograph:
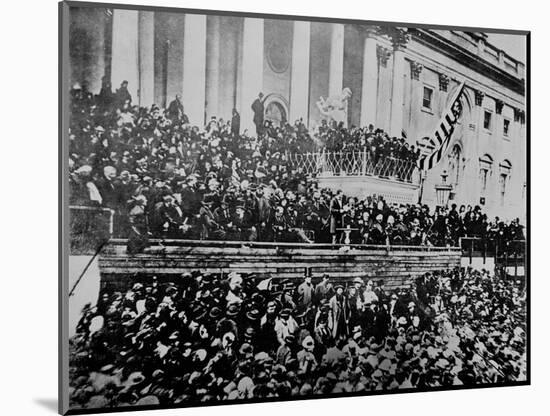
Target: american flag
(444, 131)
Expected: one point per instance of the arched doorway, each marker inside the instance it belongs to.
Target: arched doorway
(276, 110)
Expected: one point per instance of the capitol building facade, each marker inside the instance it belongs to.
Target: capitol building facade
(401, 81)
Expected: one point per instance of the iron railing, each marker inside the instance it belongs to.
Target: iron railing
(508, 255)
(355, 163)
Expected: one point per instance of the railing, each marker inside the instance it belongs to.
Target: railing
(507, 255)
(355, 163)
(159, 243)
(89, 227)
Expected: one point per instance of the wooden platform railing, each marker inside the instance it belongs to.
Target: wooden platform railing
(157, 242)
(170, 259)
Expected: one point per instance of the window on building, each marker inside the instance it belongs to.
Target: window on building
(506, 127)
(455, 164)
(504, 176)
(485, 170)
(487, 120)
(483, 175)
(427, 98)
(502, 180)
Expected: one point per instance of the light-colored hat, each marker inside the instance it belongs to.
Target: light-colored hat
(84, 170)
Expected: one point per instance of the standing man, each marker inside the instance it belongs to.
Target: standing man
(122, 95)
(336, 210)
(175, 110)
(235, 123)
(304, 293)
(339, 313)
(258, 109)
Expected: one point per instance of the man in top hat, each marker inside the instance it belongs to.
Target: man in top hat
(258, 109)
(339, 313)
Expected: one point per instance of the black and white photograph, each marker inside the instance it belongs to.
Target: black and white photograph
(269, 208)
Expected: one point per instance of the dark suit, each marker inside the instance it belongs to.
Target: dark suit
(122, 95)
(109, 193)
(236, 124)
(335, 214)
(258, 109)
(166, 220)
(175, 110)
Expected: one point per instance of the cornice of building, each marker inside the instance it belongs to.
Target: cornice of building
(445, 46)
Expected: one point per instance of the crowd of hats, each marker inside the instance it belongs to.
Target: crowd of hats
(231, 337)
(122, 156)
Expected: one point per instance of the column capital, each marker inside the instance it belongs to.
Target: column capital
(416, 69)
(383, 55)
(444, 82)
(519, 115)
(399, 36)
(479, 95)
(499, 105)
(399, 39)
(371, 31)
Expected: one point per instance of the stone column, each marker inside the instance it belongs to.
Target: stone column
(396, 114)
(146, 58)
(125, 51)
(194, 68)
(212, 67)
(252, 69)
(336, 71)
(369, 90)
(299, 78)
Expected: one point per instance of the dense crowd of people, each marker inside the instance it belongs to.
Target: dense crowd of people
(211, 338)
(376, 142)
(164, 178)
